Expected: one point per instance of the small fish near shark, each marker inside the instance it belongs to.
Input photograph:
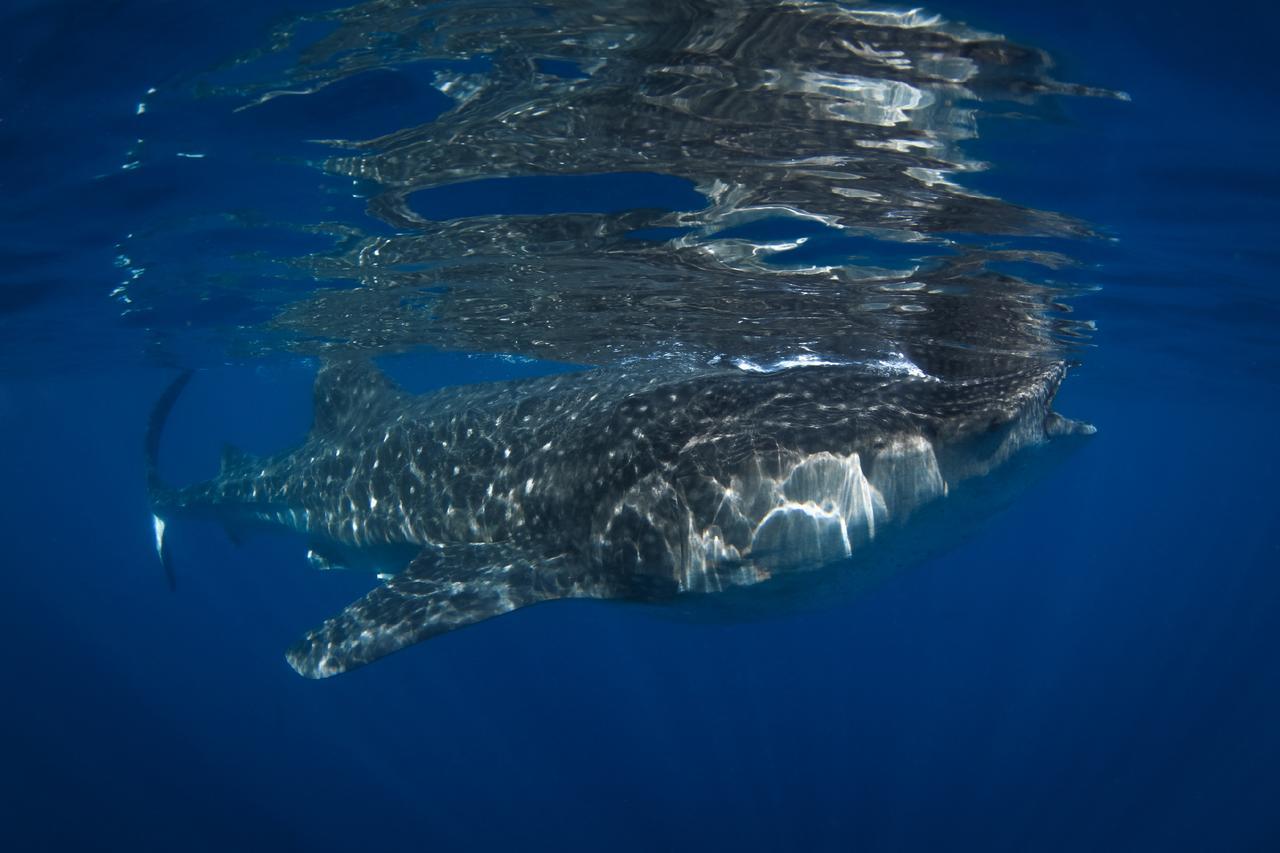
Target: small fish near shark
(635, 484)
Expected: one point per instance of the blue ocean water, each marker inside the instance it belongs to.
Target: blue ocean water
(1092, 669)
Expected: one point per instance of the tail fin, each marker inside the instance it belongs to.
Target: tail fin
(156, 488)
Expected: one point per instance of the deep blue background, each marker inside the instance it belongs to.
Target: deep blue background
(1094, 670)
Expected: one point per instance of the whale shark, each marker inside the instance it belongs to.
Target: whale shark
(633, 483)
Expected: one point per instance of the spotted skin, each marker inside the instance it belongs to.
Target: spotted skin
(644, 483)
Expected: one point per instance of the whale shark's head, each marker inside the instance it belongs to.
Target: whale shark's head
(820, 466)
(893, 497)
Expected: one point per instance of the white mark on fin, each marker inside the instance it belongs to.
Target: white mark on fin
(158, 523)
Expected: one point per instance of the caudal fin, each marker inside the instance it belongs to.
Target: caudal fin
(156, 489)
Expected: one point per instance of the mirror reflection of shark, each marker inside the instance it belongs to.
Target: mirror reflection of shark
(628, 484)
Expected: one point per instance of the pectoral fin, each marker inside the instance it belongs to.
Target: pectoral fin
(442, 589)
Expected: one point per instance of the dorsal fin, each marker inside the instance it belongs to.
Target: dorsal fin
(349, 392)
(233, 458)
